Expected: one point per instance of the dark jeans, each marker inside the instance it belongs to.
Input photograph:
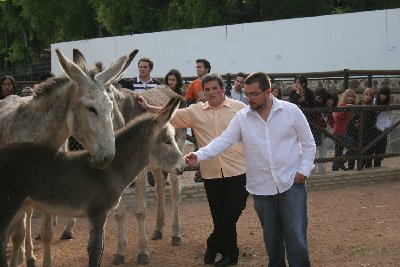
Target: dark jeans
(227, 199)
(284, 221)
(339, 152)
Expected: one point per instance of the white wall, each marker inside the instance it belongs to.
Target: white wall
(365, 40)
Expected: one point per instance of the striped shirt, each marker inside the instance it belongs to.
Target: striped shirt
(136, 84)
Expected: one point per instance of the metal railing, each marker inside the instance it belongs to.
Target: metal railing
(28, 72)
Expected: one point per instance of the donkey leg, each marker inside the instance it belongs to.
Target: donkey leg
(160, 193)
(68, 232)
(29, 256)
(18, 241)
(96, 239)
(3, 247)
(176, 202)
(119, 215)
(46, 232)
(140, 213)
(10, 221)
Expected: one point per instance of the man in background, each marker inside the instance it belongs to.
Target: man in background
(237, 89)
(194, 92)
(143, 81)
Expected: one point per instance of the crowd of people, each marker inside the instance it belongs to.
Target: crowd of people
(351, 127)
(252, 140)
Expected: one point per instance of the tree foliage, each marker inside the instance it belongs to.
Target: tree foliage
(29, 27)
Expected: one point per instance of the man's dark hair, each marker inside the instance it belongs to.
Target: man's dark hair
(212, 77)
(302, 79)
(260, 77)
(241, 74)
(385, 90)
(205, 62)
(177, 74)
(146, 59)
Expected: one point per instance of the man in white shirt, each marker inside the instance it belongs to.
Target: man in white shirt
(237, 89)
(280, 152)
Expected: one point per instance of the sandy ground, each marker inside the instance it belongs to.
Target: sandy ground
(356, 226)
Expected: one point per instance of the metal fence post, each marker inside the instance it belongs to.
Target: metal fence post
(370, 80)
(345, 79)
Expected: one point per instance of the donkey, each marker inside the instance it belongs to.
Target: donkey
(77, 105)
(66, 183)
(125, 100)
(157, 96)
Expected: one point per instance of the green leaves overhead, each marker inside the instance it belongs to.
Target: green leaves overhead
(28, 27)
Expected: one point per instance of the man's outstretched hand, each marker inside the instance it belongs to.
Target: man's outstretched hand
(190, 159)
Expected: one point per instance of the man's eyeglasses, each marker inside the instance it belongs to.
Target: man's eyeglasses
(252, 94)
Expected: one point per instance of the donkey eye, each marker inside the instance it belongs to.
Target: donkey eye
(92, 109)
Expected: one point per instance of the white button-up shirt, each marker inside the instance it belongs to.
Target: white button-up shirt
(275, 149)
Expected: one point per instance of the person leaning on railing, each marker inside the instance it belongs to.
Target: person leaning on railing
(384, 120)
(341, 129)
(368, 125)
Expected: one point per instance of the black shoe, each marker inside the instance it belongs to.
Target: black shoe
(226, 261)
(209, 257)
(198, 178)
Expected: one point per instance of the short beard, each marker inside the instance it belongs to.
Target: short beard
(257, 107)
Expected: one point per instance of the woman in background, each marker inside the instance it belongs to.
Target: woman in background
(368, 125)
(325, 121)
(8, 86)
(174, 80)
(383, 121)
(276, 92)
(341, 127)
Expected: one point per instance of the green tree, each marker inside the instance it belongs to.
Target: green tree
(28, 27)
(186, 14)
(130, 16)
(31, 26)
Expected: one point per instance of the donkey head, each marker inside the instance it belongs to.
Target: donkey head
(164, 150)
(90, 117)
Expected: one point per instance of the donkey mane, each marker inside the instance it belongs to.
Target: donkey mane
(139, 127)
(52, 84)
(49, 86)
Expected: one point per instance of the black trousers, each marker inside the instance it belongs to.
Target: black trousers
(227, 199)
(380, 148)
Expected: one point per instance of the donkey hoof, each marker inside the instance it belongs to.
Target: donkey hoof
(66, 235)
(157, 235)
(143, 259)
(118, 259)
(176, 240)
(31, 263)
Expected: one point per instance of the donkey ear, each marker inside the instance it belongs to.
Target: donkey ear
(116, 68)
(169, 110)
(72, 70)
(79, 59)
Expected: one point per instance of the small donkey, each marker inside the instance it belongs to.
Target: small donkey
(68, 183)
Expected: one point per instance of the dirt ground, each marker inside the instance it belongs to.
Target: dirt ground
(356, 226)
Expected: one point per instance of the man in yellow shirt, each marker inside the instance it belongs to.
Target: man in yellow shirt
(224, 176)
